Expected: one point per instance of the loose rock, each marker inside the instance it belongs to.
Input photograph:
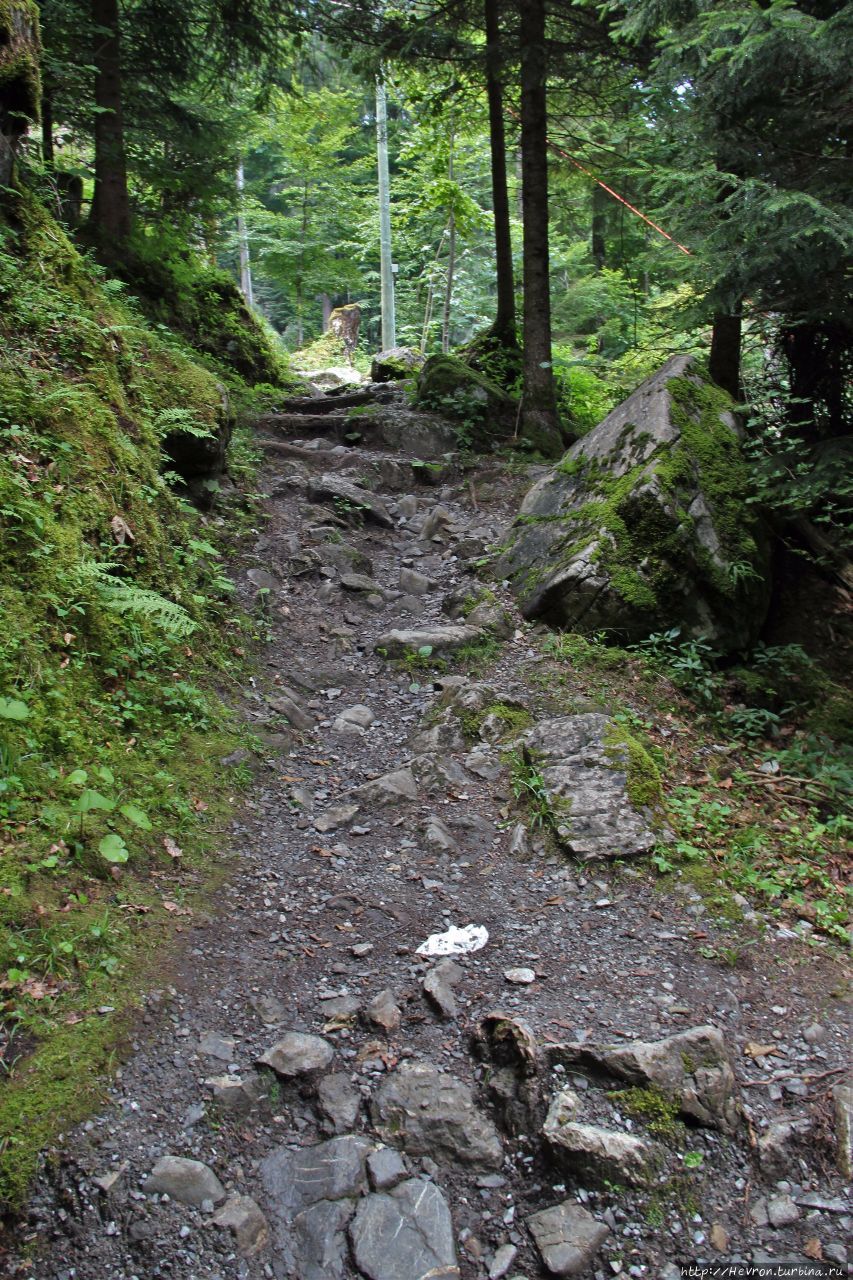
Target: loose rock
(567, 1237)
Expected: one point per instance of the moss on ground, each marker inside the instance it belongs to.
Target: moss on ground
(643, 781)
(119, 626)
(657, 1112)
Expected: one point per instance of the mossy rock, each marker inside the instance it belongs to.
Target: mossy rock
(395, 364)
(484, 411)
(647, 523)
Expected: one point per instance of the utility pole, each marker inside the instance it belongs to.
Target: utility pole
(386, 273)
(243, 241)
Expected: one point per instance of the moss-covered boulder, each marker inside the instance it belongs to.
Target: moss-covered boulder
(395, 364)
(646, 523)
(20, 88)
(484, 411)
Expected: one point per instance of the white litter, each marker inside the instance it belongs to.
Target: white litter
(455, 942)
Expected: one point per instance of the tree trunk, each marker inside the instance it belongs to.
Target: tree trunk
(243, 241)
(504, 324)
(724, 361)
(599, 224)
(326, 303)
(389, 325)
(539, 421)
(110, 212)
(448, 286)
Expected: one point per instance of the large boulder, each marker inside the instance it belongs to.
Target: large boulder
(485, 413)
(394, 364)
(645, 524)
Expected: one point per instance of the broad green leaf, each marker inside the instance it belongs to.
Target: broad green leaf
(13, 709)
(77, 778)
(425, 650)
(90, 799)
(113, 849)
(105, 774)
(137, 816)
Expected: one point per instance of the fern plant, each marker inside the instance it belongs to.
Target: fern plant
(121, 596)
(182, 420)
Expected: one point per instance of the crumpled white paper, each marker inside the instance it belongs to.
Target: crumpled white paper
(455, 942)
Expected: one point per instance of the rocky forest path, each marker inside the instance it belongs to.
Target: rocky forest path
(312, 1099)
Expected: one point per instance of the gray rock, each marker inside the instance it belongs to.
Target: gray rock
(603, 1155)
(296, 1054)
(188, 1181)
(439, 640)
(567, 1237)
(776, 1146)
(385, 1168)
(659, 552)
(354, 720)
(692, 1067)
(344, 558)
(504, 1257)
(235, 1095)
(395, 363)
(214, 1045)
(339, 1102)
(591, 779)
(435, 525)
(340, 816)
(391, 788)
(438, 836)
(413, 583)
(842, 1099)
(332, 1170)
(262, 580)
(289, 706)
(243, 1218)
(438, 984)
(405, 1234)
(781, 1211)
(359, 582)
(431, 1113)
(349, 497)
(268, 1008)
(383, 1011)
(318, 1240)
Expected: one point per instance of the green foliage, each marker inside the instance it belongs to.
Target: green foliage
(529, 790)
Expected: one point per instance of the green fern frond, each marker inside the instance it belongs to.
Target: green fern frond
(125, 597)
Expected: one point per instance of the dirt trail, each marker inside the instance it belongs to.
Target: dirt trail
(316, 932)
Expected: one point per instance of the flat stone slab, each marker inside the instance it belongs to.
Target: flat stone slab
(391, 788)
(297, 1053)
(428, 1112)
(567, 1237)
(349, 497)
(405, 1234)
(332, 1170)
(586, 774)
(187, 1181)
(604, 1155)
(400, 641)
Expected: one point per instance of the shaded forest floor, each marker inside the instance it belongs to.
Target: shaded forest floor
(316, 927)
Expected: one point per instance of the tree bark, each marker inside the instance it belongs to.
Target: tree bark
(243, 242)
(539, 420)
(724, 361)
(110, 211)
(503, 327)
(47, 153)
(389, 324)
(599, 224)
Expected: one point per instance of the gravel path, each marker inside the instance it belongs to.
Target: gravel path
(316, 932)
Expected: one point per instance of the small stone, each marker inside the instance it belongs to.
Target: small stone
(781, 1211)
(719, 1237)
(242, 1216)
(520, 976)
(339, 1102)
(268, 1008)
(187, 1181)
(814, 1034)
(334, 818)
(385, 1168)
(106, 1181)
(355, 719)
(567, 1236)
(358, 582)
(362, 949)
(390, 788)
(214, 1045)
(439, 837)
(296, 1054)
(438, 983)
(383, 1011)
(758, 1212)
(504, 1257)
(413, 583)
